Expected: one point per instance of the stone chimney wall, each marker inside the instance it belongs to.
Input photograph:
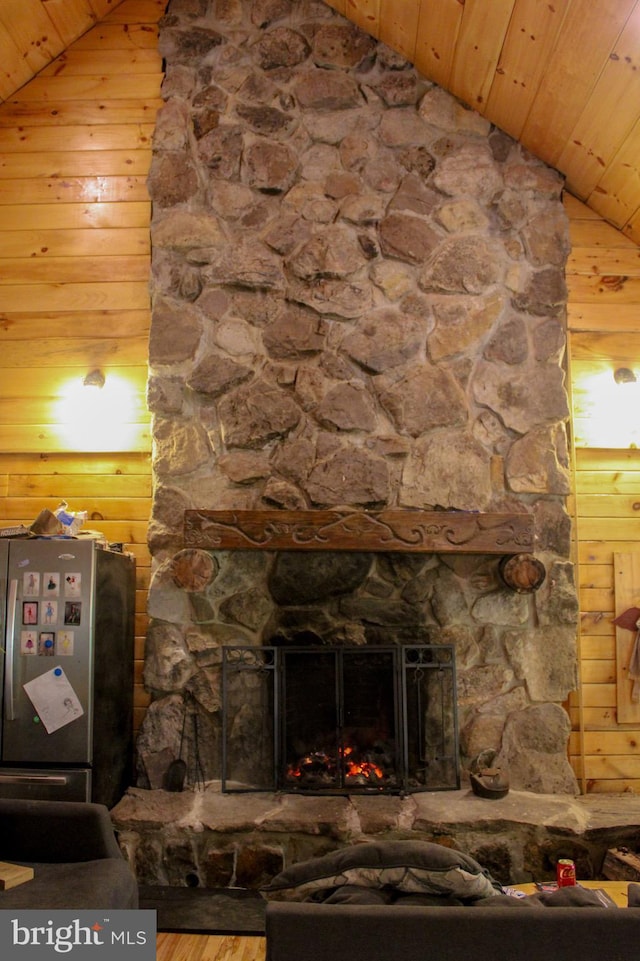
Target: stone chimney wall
(358, 301)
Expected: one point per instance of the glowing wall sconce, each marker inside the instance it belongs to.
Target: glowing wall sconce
(97, 413)
(607, 409)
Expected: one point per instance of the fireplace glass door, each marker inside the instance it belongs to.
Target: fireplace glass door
(339, 720)
(345, 720)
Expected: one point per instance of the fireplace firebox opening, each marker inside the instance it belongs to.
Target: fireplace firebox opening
(343, 720)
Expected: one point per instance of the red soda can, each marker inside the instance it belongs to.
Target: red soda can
(565, 873)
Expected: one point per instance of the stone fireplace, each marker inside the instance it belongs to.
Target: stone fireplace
(358, 306)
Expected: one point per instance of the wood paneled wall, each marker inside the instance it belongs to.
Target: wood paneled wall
(75, 149)
(604, 333)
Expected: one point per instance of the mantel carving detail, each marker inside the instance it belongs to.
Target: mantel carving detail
(388, 530)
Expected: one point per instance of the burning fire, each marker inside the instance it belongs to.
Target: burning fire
(323, 765)
(361, 768)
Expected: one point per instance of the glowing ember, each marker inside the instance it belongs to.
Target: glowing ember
(318, 764)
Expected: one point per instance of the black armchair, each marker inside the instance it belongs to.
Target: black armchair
(72, 847)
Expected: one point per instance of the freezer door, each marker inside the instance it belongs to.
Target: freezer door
(45, 784)
(48, 683)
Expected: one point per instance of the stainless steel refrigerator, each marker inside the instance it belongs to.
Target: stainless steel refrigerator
(66, 669)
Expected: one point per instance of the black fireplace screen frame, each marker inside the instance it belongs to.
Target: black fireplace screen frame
(257, 744)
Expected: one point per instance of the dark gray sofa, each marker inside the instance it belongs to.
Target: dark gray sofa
(416, 900)
(341, 932)
(73, 850)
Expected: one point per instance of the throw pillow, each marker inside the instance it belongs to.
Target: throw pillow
(410, 867)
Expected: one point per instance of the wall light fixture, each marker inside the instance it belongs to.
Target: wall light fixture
(624, 375)
(94, 379)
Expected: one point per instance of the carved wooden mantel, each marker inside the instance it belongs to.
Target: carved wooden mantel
(412, 531)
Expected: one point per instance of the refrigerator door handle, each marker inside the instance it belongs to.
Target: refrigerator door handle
(9, 709)
(56, 779)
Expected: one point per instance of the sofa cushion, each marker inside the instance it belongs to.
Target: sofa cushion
(410, 867)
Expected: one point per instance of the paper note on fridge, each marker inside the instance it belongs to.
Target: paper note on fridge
(54, 699)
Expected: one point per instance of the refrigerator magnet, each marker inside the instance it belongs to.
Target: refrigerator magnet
(51, 584)
(29, 612)
(72, 584)
(50, 613)
(46, 644)
(30, 584)
(64, 643)
(28, 642)
(72, 612)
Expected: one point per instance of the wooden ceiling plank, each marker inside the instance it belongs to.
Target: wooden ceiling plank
(478, 48)
(606, 120)
(528, 47)
(115, 36)
(399, 26)
(102, 7)
(137, 11)
(438, 28)
(71, 18)
(14, 71)
(616, 195)
(32, 31)
(588, 33)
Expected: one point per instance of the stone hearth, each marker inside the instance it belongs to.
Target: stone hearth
(208, 839)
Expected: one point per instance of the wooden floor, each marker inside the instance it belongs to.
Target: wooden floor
(205, 947)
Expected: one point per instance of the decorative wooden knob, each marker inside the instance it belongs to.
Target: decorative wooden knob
(522, 573)
(193, 569)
